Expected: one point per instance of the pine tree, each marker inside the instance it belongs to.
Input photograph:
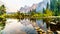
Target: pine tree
(53, 7)
(2, 9)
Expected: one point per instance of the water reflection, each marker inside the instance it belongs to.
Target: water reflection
(13, 26)
(26, 26)
(41, 24)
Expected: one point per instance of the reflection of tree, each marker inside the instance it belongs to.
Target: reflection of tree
(47, 14)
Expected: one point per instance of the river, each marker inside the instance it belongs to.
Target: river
(14, 26)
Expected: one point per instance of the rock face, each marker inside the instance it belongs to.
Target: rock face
(19, 28)
(42, 5)
(27, 9)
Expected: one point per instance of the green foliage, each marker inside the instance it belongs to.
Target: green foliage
(55, 7)
(2, 9)
(2, 16)
(48, 13)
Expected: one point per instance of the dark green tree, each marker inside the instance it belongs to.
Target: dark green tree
(2, 9)
(2, 15)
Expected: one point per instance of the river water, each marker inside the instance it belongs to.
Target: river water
(13, 26)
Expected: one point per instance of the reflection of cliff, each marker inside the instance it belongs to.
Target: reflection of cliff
(15, 27)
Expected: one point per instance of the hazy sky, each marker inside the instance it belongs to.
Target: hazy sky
(14, 5)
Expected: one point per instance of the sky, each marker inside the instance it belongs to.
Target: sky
(14, 5)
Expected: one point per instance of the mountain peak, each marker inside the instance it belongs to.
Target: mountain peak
(27, 9)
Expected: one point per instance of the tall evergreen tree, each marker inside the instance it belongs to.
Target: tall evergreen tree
(43, 10)
(2, 15)
(2, 9)
(47, 7)
(53, 6)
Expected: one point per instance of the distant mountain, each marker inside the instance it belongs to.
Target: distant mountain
(24, 9)
(42, 5)
(27, 9)
(7, 12)
(39, 7)
(34, 6)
